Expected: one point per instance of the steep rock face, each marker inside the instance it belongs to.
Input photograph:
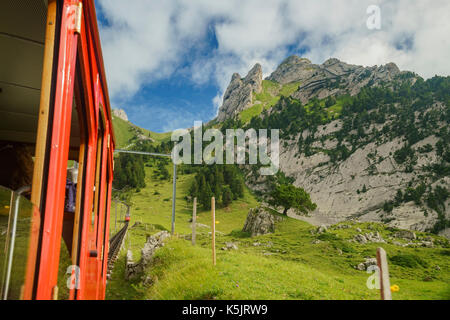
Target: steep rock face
(120, 113)
(293, 69)
(239, 94)
(333, 77)
(363, 184)
(358, 187)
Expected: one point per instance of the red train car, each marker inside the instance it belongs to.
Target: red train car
(56, 151)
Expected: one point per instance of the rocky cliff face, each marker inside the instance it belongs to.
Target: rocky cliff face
(358, 186)
(120, 113)
(293, 69)
(239, 94)
(333, 77)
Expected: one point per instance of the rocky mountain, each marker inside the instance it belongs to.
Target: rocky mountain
(332, 78)
(367, 143)
(120, 113)
(239, 94)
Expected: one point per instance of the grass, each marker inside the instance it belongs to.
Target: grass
(247, 114)
(125, 132)
(282, 265)
(122, 132)
(186, 272)
(269, 96)
(333, 111)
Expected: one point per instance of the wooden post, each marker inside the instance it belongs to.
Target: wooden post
(385, 286)
(213, 229)
(174, 193)
(194, 220)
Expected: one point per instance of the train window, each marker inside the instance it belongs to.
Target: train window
(98, 177)
(19, 223)
(75, 181)
(72, 205)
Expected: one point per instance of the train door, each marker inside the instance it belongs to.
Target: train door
(23, 46)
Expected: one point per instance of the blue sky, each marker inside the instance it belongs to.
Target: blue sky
(169, 62)
(175, 101)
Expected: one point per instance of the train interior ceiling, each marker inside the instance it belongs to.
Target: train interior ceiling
(22, 40)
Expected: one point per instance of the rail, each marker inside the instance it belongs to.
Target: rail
(115, 243)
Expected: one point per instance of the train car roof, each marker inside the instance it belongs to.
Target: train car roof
(22, 38)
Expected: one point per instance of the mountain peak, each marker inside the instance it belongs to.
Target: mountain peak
(332, 78)
(254, 78)
(294, 59)
(293, 69)
(239, 94)
(120, 113)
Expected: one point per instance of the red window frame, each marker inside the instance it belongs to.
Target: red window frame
(80, 45)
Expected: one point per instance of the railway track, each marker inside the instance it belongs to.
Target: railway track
(115, 243)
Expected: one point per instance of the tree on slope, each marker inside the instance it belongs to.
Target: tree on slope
(288, 196)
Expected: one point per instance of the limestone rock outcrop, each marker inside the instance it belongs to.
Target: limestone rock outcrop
(260, 221)
(331, 78)
(120, 113)
(293, 69)
(239, 94)
(356, 186)
(132, 269)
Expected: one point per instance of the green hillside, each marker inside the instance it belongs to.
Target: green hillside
(127, 133)
(294, 262)
(269, 96)
(283, 265)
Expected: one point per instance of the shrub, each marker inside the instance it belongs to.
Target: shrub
(408, 261)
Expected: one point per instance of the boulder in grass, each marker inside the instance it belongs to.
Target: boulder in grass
(363, 266)
(405, 234)
(259, 221)
(321, 229)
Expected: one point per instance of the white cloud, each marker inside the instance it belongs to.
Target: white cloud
(150, 40)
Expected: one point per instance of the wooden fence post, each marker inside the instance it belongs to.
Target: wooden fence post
(194, 220)
(385, 286)
(213, 229)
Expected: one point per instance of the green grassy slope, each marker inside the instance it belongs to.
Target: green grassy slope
(269, 96)
(125, 133)
(283, 265)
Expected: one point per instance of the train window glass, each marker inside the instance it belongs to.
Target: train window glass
(75, 182)
(73, 188)
(98, 178)
(18, 221)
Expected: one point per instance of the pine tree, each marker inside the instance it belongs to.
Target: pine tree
(227, 196)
